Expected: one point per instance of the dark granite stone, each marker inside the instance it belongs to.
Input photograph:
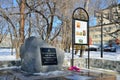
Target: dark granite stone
(30, 54)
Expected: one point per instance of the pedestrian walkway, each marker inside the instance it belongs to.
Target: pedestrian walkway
(84, 74)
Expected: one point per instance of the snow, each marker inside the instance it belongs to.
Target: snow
(52, 73)
(9, 68)
(6, 51)
(78, 77)
(97, 55)
(7, 55)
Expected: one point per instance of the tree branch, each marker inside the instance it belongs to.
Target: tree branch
(9, 20)
(56, 35)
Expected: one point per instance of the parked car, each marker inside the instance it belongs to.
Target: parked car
(110, 48)
(93, 48)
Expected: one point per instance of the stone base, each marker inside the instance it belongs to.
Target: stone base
(64, 75)
(95, 63)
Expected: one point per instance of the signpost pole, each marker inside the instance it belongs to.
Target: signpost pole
(72, 61)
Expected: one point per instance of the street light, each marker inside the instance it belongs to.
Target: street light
(100, 14)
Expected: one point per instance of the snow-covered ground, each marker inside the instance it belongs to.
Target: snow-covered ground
(97, 55)
(8, 55)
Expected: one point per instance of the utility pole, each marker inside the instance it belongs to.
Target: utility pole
(101, 35)
(100, 15)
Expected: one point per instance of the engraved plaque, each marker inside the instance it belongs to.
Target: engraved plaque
(48, 56)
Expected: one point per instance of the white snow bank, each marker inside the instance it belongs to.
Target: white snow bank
(7, 55)
(97, 55)
(52, 73)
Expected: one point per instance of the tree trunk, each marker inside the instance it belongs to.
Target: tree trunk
(17, 50)
(21, 30)
(22, 21)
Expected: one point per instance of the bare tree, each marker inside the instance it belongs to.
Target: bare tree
(3, 30)
(9, 16)
(110, 15)
(8, 19)
(47, 13)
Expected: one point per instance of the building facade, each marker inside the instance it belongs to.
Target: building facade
(109, 20)
(95, 33)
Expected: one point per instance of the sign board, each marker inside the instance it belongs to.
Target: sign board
(48, 56)
(81, 32)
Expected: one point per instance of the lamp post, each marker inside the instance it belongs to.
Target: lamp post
(101, 21)
(100, 14)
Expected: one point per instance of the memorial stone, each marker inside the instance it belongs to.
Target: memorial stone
(38, 56)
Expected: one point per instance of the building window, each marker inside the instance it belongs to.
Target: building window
(96, 36)
(105, 35)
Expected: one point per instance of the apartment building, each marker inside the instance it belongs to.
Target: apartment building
(95, 33)
(109, 20)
